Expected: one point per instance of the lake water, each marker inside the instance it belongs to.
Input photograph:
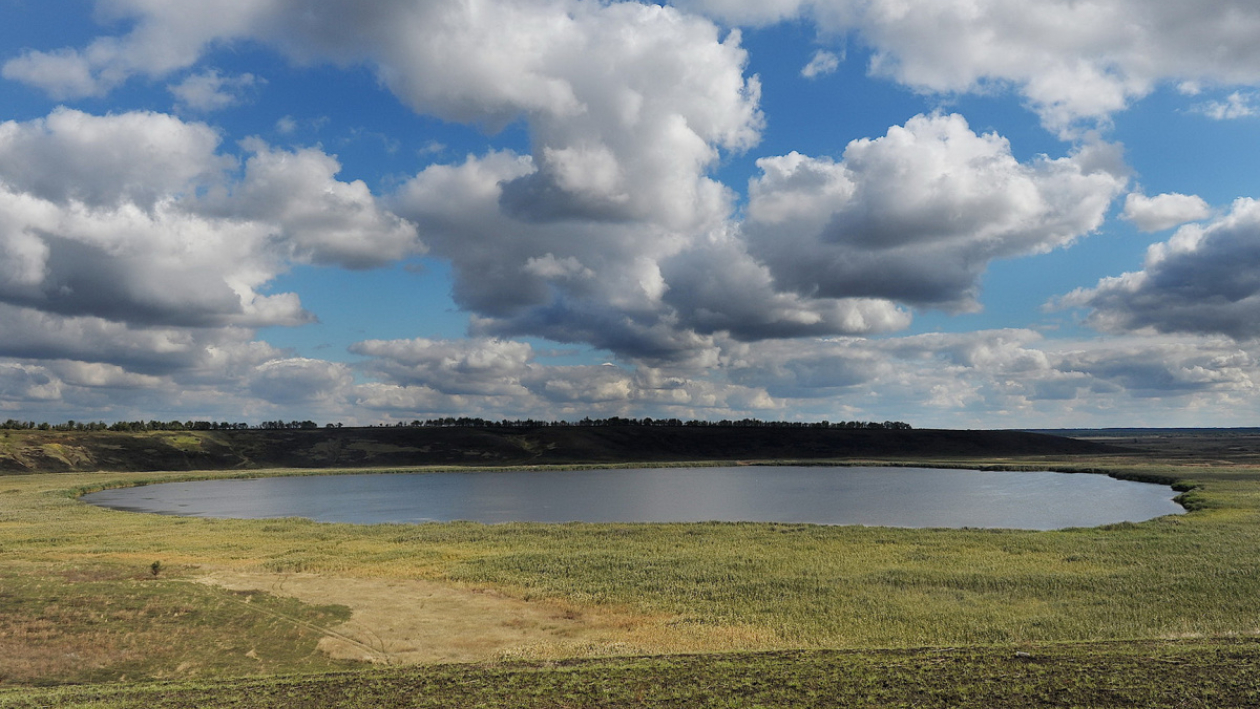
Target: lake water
(894, 497)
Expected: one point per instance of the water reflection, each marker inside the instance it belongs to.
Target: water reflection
(896, 497)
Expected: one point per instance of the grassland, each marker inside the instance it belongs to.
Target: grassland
(1215, 674)
(1162, 613)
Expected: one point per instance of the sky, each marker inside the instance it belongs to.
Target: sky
(953, 213)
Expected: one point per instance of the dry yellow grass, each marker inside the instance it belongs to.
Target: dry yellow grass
(412, 621)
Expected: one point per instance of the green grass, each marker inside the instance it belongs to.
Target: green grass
(1147, 674)
(94, 622)
(710, 587)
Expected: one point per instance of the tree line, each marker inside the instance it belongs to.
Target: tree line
(447, 422)
(15, 425)
(664, 422)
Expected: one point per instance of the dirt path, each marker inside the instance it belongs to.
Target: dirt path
(414, 622)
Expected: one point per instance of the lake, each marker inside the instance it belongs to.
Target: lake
(892, 497)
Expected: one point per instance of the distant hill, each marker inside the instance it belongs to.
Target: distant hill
(62, 451)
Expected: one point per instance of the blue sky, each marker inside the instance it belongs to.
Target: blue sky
(1005, 213)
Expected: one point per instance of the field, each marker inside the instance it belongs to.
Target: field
(294, 613)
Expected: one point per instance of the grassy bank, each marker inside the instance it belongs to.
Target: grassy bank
(76, 590)
(53, 451)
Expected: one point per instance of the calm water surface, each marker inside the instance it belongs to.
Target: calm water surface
(894, 497)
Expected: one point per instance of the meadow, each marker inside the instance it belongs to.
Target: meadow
(1161, 613)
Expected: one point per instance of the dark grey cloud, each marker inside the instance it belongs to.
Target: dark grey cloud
(39, 335)
(716, 286)
(82, 279)
(1164, 369)
(1204, 280)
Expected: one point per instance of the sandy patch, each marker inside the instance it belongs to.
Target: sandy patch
(413, 622)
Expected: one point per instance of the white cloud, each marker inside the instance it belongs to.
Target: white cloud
(626, 136)
(611, 232)
(212, 91)
(129, 240)
(979, 378)
(474, 366)
(1072, 61)
(494, 377)
(167, 37)
(299, 380)
(136, 253)
(1164, 211)
(138, 158)
(63, 74)
(1236, 105)
(915, 216)
(828, 247)
(822, 63)
(316, 217)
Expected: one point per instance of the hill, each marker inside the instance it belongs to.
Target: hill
(65, 451)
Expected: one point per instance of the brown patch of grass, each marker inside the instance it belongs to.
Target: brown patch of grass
(411, 621)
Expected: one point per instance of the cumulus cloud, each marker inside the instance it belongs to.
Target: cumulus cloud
(717, 286)
(473, 366)
(167, 37)
(827, 247)
(1072, 61)
(915, 216)
(566, 243)
(822, 63)
(1164, 211)
(130, 239)
(1202, 280)
(949, 379)
(135, 158)
(24, 384)
(298, 380)
(136, 254)
(315, 217)
(953, 378)
(212, 91)
(1161, 368)
(637, 289)
(494, 376)
(810, 370)
(146, 349)
(572, 281)
(672, 88)
(1236, 105)
(611, 232)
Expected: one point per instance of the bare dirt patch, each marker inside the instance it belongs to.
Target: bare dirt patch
(412, 621)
